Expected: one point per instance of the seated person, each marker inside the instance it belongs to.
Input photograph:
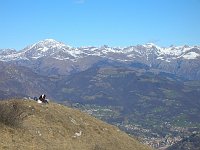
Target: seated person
(42, 99)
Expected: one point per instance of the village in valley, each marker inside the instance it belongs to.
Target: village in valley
(152, 136)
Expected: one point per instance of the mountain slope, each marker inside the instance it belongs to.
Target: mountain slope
(135, 90)
(161, 104)
(18, 81)
(152, 105)
(37, 126)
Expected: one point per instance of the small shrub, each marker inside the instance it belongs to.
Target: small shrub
(12, 114)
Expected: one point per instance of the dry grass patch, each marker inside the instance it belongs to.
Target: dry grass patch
(56, 127)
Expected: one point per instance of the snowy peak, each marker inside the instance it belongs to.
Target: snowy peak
(172, 52)
(7, 51)
(45, 48)
(50, 43)
(46, 44)
(180, 51)
(151, 45)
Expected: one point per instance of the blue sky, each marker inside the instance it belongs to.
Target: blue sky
(99, 22)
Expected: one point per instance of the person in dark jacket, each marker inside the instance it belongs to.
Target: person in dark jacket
(42, 98)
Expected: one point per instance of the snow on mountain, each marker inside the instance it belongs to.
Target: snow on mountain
(55, 54)
(45, 48)
(151, 46)
(175, 51)
(10, 55)
(60, 51)
(47, 43)
(7, 51)
(191, 55)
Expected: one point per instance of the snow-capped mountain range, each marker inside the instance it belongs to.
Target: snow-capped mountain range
(57, 58)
